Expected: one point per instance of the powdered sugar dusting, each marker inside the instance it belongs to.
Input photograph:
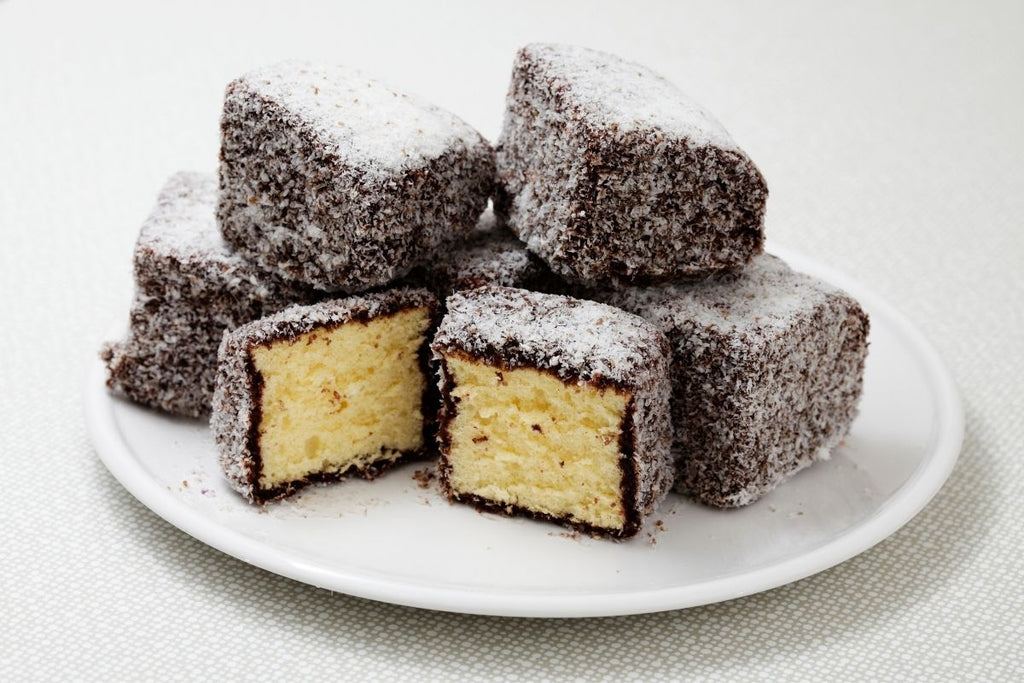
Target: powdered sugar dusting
(574, 338)
(765, 293)
(189, 288)
(183, 222)
(360, 119)
(768, 367)
(628, 95)
(491, 255)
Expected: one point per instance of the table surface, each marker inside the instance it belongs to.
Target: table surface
(891, 138)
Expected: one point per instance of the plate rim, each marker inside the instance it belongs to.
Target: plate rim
(899, 508)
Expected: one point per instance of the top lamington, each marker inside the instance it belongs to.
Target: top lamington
(356, 118)
(625, 95)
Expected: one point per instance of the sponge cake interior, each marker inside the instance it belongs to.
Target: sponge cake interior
(342, 397)
(524, 438)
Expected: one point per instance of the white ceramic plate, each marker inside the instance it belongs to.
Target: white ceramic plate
(395, 541)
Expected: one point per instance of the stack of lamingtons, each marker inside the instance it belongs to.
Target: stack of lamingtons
(340, 301)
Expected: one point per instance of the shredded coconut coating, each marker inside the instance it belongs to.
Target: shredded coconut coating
(767, 372)
(189, 288)
(490, 255)
(333, 179)
(615, 177)
(578, 341)
(236, 402)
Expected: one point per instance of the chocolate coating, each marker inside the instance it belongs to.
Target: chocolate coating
(767, 372)
(335, 180)
(189, 288)
(490, 255)
(613, 176)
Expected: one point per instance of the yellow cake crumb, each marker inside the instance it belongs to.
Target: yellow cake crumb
(341, 397)
(523, 437)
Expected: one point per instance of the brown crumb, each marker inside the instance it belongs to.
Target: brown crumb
(536, 427)
(423, 477)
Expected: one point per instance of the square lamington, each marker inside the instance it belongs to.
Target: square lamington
(768, 368)
(613, 176)
(553, 407)
(190, 287)
(333, 179)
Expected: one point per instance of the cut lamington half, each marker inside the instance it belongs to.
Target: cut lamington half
(613, 176)
(315, 393)
(189, 288)
(768, 368)
(553, 407)
(333, 179)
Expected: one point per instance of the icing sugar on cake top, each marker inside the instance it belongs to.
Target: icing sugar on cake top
(358, 118)
(614, 177)
(555, 333)
(190, 287)
(627, 95)
(331, 179)
(764, 294)
(183, 222)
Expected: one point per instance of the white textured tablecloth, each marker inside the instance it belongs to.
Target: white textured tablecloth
(891, 136)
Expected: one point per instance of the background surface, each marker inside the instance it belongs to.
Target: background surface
(891, 138)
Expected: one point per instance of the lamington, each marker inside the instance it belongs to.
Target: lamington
(490, 255)
(615, 177)
(554, 408)
(316, 393)
(333, 179)
(767, 372)
(189, 288)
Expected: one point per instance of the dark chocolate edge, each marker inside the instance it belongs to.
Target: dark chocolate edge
(628, 486)
(252, 458)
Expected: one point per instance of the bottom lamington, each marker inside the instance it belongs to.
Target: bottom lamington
(768, 368)
(553, 408)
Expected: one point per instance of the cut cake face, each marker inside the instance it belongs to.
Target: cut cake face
(333, 179)
(190, 287)
(613, 176)
(768, 368)
(315, 393)
(553, 407)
